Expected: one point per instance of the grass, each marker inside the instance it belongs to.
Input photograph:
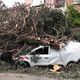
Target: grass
(68, 74)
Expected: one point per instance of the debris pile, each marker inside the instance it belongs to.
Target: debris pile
(25, 25)
(55, 68)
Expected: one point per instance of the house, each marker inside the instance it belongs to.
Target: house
(34, 2)
(28, 2)
(76, 3)
(59, 4)
(55, 3)
(48, 3)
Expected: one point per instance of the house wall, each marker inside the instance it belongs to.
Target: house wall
(50, 3)
(53, 3)
(68, 2)
(77, 7)
(46, 2)
(28, 2)
(71, 2)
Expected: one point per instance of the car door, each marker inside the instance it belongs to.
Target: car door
(42, 56)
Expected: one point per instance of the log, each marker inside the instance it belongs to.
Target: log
(40, 41)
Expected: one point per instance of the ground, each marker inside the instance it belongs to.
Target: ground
(17, 76)
(12, 76)
(8, 72)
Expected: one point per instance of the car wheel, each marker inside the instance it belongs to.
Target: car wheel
(71, 66)
(24, 64)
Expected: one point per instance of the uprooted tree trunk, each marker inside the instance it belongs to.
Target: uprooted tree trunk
(49, 41)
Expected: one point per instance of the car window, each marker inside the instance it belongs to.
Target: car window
(41, 51)
(46, 50)
(33, 53)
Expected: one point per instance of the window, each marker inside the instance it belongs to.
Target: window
(46, 50)
(76, 1)
(59, 3)
(40, 51)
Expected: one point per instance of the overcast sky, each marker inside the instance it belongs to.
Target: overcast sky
(9, 3)
(37, 2)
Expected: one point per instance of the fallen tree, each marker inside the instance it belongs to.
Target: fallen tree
(30, 26)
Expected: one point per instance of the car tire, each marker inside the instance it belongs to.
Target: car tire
(24, 64)
(71, 66)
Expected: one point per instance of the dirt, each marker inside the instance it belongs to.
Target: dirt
(13, 76)
(38, 73)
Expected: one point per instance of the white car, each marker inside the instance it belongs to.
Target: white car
(44, 55)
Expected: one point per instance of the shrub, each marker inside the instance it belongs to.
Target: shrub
(46, 19)
(73, 16)
(77, 37)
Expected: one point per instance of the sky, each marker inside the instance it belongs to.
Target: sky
(9, 3)
(37, 2)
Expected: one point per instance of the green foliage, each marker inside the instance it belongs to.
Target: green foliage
(73, 16)
(29, 42)
(77, 37)
(12, 18)
(47, 19)
(67, 31)
(73, 21)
